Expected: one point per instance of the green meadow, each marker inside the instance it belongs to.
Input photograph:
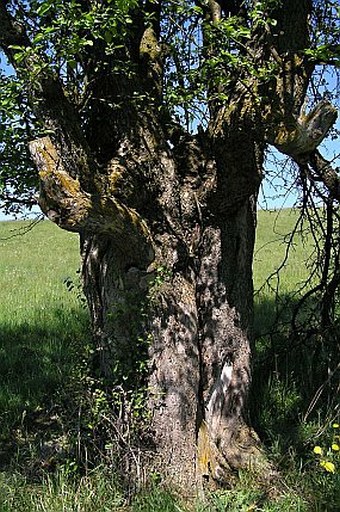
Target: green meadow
(273, 234)
(280, 267)
(45, 339)
(40, 321)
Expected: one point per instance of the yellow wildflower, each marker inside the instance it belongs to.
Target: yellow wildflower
(328, 466)
(335, 425)
(335, 447)
(317, 450)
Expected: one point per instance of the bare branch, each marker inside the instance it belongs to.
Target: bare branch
(325, 172)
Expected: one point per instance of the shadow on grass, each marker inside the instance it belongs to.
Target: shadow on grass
(288, 372)
(37, 360)
(294, 400)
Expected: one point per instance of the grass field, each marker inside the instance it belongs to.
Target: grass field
(273, 237)
(40, 321)
(44, 331)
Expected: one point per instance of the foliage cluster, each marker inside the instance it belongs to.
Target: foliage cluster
(18, 179)
(80, 42)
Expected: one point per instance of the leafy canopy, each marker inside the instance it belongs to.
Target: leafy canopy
(81, 41)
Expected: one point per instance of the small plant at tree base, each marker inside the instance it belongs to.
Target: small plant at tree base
(324, 480)
(329, 457)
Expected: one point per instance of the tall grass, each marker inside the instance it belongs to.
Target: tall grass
(43, 331)
(41, 323)
(280, 264)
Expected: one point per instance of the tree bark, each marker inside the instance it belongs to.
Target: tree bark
(196, 297)
(167, 273)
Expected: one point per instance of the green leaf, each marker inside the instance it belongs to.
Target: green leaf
(108, 36)
(72, 63)
(44, 8)
(39, 37)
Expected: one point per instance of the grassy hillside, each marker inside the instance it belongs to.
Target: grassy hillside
(273, 234)
(40, 321)
(275, 251)
(44, 333)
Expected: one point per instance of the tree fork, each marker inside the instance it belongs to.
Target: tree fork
(66, 204)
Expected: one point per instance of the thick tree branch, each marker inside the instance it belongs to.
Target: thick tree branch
(300, 138)
(64, 201)
(47, 98)
(324, 171)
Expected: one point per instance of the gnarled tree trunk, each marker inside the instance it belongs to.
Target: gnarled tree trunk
(196, 294)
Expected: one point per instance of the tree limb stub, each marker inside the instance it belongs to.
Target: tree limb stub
(215, 10)
(299, 138)
(66, 204)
